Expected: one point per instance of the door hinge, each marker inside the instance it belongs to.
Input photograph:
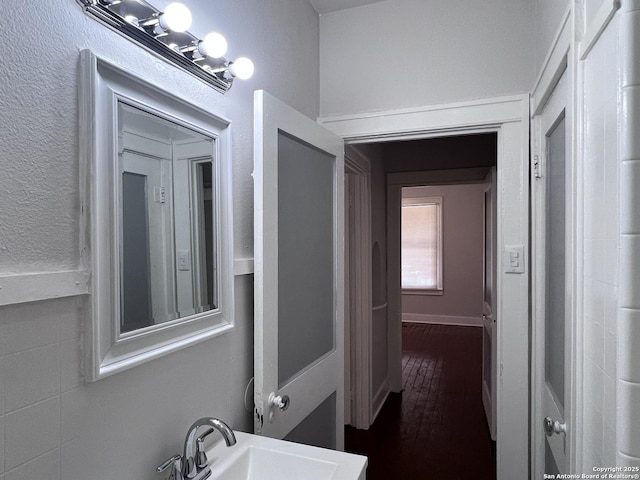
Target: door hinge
(537, 173)
(159, 194)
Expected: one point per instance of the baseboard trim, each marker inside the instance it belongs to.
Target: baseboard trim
(379, 398)
(442, 319)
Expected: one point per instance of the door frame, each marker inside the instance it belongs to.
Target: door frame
(561, 60)
(509, 118)
(358, 347)
(557, 107)
(488, 315)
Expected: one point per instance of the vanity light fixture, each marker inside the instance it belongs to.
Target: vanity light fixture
(165, 33)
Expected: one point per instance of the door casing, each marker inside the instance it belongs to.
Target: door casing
(358, 390)
(489, 319)
(509, 118)
(561, 60)
(544, 403)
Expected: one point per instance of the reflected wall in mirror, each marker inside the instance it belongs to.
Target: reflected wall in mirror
(167, 209)
(156, 204)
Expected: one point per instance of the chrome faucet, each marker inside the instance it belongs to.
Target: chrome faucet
(193, 464)
(194, 460)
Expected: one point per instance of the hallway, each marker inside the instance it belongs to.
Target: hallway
(436, 428)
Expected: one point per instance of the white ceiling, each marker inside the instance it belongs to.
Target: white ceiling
(326, 6)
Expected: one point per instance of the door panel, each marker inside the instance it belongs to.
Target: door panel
(555, 262)
(489, 336)
(305, 225)
(555, 296)
(313, 428)
(552, 297)
(298, 242)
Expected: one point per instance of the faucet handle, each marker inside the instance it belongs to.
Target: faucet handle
(201, 456)
(175, 463)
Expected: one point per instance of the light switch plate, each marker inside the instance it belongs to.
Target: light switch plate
(184, 260)
(514, 259)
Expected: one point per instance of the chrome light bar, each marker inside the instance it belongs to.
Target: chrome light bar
(168, 38)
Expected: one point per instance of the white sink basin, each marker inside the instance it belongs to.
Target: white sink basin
(260, 458)
(256, 462)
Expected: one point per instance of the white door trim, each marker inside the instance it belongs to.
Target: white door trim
(509, 117)
(554, 65)
(489, 265)
(558, 106)
(359, 329)
(562, 59)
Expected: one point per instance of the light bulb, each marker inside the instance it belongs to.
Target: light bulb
(176, 18)
(131, 19)
(241, 68)
(214, 45)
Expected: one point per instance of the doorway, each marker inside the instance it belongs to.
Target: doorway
(441, 382)
(508, 118)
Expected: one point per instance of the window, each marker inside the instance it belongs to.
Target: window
(421, 243)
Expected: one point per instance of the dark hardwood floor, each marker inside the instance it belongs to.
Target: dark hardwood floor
(435, 429)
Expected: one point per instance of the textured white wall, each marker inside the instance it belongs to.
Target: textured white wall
(600, 262)
(407, 53)
(52, 424)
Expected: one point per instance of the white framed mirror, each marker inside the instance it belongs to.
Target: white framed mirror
(156, 211)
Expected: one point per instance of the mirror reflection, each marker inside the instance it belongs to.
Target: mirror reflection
(166, 206)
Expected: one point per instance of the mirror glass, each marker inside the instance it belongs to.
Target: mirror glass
(166, 205)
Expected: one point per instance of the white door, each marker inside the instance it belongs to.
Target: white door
(552, 215)
(489, 341)
(299, 276)
(146, 241)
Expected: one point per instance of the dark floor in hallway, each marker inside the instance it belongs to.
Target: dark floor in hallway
(436, 428)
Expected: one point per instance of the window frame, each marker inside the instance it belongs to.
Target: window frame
(419, 201)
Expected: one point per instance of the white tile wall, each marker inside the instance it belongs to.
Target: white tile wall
(599, 170)
(628, 387)
(629, 431)
(31, 431)
(2, 443)
(30, 386)
(42, 366)
(629, 328)
(55, 426)
(45, 467)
